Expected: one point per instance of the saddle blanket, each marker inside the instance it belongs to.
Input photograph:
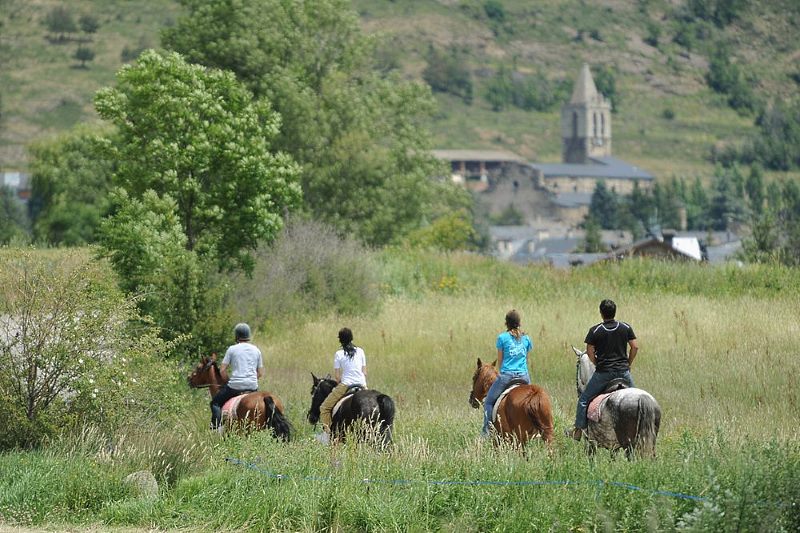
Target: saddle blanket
(229, 409)
(500, 398)
(340, 403)
(596, 405)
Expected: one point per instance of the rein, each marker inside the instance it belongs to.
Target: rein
(210, 365)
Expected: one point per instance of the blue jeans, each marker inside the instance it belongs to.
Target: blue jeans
(219, 399)
(495, 391)
(597, 385)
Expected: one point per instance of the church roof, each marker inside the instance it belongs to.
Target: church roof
(600, 167)
(585, 90)
(477, 155)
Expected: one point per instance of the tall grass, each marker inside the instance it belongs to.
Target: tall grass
(718, 351)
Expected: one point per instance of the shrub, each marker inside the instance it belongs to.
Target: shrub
(448, 233)
(447, 72)
(308, 269)
(72, 346)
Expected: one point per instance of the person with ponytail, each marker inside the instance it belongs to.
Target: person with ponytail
(349, 369)
(513, 347)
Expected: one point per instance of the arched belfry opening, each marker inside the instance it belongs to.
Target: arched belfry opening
(591, 111)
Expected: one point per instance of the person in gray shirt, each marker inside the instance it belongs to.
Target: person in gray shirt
(246, 366)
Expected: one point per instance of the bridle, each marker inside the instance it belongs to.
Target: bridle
(478, 375)
(209, 365)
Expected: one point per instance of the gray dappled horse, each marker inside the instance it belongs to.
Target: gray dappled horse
(629, 417)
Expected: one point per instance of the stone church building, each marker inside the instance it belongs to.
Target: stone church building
(586, 154)
(558, 191)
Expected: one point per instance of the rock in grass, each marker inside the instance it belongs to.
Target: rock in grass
(143, 484)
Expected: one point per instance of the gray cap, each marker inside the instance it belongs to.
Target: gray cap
(242, 332)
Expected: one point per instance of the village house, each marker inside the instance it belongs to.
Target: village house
(18, 182)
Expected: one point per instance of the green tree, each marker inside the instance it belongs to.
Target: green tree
(510, 216)
(593, 240)
(13, 223)
(604, 207)
(196, 136)
(777, 145)
(89, 24)
(755, 190)
(60, 21)
(354, 129)
(500, 89)
(84, 54)
(726, 205)
(70, 182)
(145, 242)
(697, 206)
(762, 246)
(446, 71)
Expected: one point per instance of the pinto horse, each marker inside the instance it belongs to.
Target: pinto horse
(522, 414)
(622, 418)
(367, 411)
(257, 410)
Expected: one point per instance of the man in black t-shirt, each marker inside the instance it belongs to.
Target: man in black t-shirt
(607, 347)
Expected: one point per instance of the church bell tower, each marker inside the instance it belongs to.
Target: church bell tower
(585, 122)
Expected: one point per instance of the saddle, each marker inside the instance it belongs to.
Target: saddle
(596, 405)
(513, 384)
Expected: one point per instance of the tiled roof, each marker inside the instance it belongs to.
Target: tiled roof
(477, 155)
(601, 167)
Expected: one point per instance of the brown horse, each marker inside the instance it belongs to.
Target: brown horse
(523, 414)
(256, 410)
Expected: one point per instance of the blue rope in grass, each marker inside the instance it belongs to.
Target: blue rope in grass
(599, 483)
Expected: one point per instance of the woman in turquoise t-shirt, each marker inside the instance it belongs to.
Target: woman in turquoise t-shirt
(513, 347)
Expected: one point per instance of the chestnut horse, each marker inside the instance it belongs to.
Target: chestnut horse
(522, 414)
(257, 410)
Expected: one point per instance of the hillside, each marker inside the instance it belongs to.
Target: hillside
(44, 91)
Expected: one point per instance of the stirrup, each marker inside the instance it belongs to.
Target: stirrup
(575, 433)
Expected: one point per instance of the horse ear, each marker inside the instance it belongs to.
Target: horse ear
(577, 351)
(315, 378)
(480, 364)
(214, 356)
(327, 376)
(494, 363)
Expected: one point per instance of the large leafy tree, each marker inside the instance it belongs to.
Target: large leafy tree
(354, 128)
(70, 184)
(199, 186)
(196, 135)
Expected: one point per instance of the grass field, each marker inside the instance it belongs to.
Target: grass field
(718, 351)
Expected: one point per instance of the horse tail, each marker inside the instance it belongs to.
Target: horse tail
(539, 410)
(648, 422)
(280, 426)
(386, 410)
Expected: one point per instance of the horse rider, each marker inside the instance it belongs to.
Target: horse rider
(513, 347)
(349, 369)
(247, 366)
(607, 347)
